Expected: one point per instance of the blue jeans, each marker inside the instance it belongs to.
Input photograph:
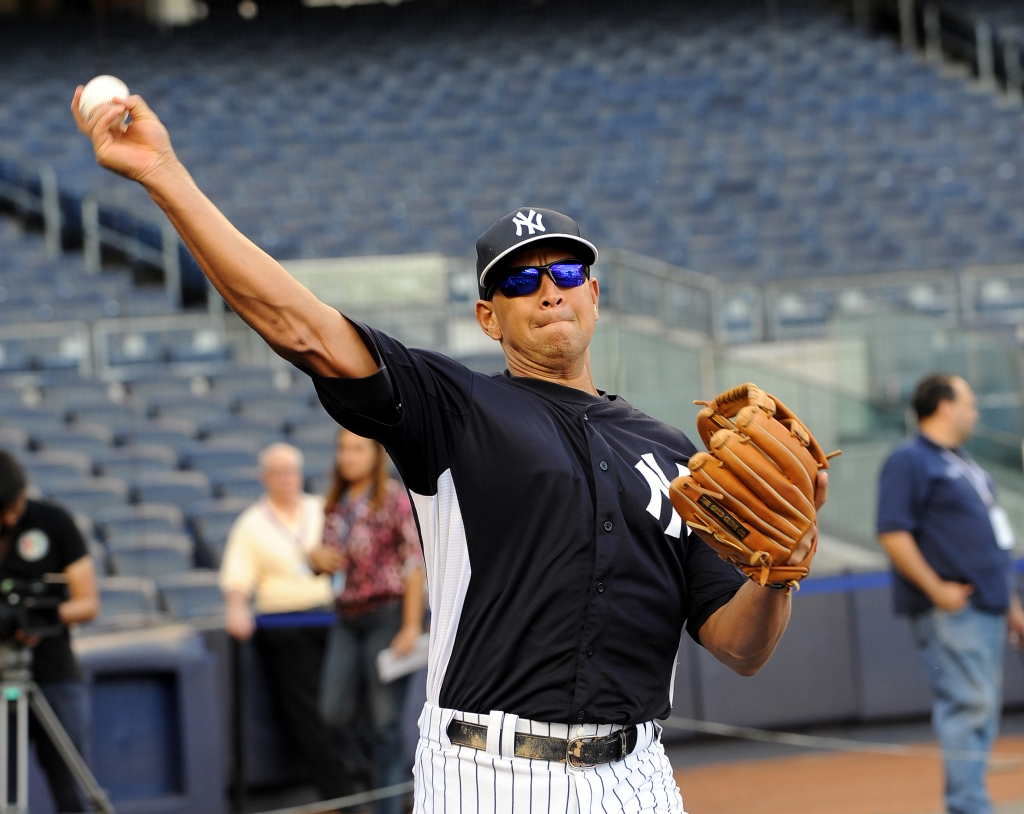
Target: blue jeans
(963, 654)
(350, 666)
(70, 703)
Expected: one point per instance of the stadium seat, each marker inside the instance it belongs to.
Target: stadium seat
(211, 457)
(46, 468)
(127, 595)
(318, 461)
(32, 419)
(105, 413)
(179, 489)
(258, 433)
(151, 556)
(240, 482)
(77, 392)
(141, 519)
(130, 461)
(195, 410)
(13, 439)
(320, 434)
(192, 595)
(151, 388)
(212, 522)
(90, 439)
(169, 432)
(126, 602)
(229, 384)
(89, 495)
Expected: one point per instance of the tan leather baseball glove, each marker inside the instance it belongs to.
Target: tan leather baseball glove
(752, 494)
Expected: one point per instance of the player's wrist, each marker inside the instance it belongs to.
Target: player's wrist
(165, 177)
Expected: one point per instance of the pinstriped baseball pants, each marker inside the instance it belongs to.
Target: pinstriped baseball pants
(453, 779)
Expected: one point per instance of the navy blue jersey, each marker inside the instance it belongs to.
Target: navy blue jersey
(922, 493)
(559, 576)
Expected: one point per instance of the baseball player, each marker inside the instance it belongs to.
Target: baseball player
(559, 576)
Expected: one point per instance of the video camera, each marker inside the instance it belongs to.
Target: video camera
(31, 606)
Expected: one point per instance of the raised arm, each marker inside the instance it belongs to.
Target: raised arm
(295, 324)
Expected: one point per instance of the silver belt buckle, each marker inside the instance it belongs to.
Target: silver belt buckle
(573, 752)
(574, 748)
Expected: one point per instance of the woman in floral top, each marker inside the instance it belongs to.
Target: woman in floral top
(371, 545)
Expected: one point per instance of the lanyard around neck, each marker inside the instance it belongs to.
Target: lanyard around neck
(975, 475)
(298, 536)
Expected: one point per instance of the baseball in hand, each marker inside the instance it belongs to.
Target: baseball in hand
(100, 92)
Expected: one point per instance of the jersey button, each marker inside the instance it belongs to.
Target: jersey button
(590, 651)
(608, 525)
(604, 466)
(580, 715)
(600, 587)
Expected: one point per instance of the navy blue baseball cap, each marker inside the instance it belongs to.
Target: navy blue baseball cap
(521, 229)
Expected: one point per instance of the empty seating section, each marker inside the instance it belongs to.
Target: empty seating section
(699, 136)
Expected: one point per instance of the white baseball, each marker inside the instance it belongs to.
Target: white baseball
(98, 93)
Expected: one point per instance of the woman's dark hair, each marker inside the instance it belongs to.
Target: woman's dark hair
(12, 480)
(932, 389)
(339, 484)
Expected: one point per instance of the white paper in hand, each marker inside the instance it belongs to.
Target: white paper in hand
(390, 666)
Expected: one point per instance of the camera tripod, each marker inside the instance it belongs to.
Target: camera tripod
(21, 695)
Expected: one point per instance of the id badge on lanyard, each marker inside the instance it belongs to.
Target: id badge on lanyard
(997, 516)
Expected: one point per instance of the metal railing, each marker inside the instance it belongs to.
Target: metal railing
(32, 187)
(995, 53)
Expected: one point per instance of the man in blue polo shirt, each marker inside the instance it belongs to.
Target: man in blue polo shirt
(950, 545)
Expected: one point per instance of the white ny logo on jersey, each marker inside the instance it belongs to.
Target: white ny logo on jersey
(521, 220)
(659, 484)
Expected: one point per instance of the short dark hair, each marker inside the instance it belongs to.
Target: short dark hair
(12, 480)
(930, 391)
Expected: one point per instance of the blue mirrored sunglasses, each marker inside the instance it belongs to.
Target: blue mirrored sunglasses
(525, 280)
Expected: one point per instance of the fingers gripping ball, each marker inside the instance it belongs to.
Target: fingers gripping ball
(752, 493)
(99, 93)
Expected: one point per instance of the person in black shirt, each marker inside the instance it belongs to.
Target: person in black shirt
(559, 577)
(38, 538)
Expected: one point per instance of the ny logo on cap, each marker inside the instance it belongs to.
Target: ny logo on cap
(521, 220)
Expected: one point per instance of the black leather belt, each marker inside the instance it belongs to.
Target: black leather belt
(580, 753)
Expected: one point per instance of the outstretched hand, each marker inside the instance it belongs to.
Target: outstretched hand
(136, 151)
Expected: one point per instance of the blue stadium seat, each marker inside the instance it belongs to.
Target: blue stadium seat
(153, 387)
(180, 489)
(211, 457)
(240, 482)
(192, 409)
(89, 495)
(130, 461)
(191, 595)
(168, 432)
(91, 439)
(107, 414)
(47, 468)
(32, 419)
(212, 522)
(139, 520)
(127, 595)
(151, 556)
(258, 432)
(13, 439)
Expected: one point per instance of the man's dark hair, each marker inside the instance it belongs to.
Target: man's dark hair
(12, 480)
(932, 389)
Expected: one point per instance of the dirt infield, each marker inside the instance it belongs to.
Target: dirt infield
(840, 783)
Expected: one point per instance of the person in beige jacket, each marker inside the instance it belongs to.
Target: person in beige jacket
(266, 567)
